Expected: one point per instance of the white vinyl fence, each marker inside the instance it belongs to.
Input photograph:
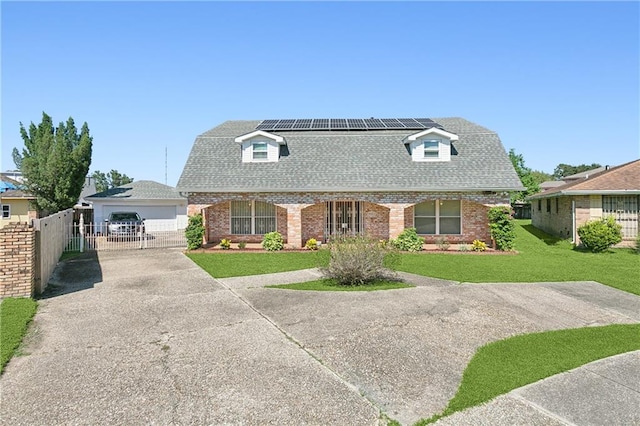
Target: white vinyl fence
(51, 239)
(94, 237)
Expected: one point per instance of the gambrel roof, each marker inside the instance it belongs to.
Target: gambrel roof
(348, 160)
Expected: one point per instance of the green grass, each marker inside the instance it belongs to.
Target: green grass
(332, 285)
(69, 255)
(224, 265)
(15, 316)
(502, 366)
(540, 257)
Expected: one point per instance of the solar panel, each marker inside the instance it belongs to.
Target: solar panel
(307, 124)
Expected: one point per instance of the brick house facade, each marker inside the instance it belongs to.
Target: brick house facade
(311, 183)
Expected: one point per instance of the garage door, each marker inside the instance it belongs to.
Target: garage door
(157, 218)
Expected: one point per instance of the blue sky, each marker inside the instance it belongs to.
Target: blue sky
(558, 81)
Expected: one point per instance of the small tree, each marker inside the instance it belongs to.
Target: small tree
(502, 227)
(54, 162)
(599, 235)
(359, 260)
(194, 232)
(110, 180)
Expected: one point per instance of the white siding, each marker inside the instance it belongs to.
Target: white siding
(273, 150)
(417, 150)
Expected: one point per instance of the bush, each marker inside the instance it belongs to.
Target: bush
(225, 244)
(312, 244)
(503, 230)
(442, 243)
(242, 245)
(359, 260)
(273, 241)
(194, 232)
(599, 235)
(478, 245)
(408, 240)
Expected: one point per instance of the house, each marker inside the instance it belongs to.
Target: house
(312, 178)
(609, 191)
(16, 206)
(162, 207)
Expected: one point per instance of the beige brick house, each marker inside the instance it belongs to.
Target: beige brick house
(609, 191)
(312, 178)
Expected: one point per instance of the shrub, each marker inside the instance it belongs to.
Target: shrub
(599, 235)
(408, 240)
(463, 247)
(503, 230)
(194, 232)
(242, 245)
(359, 260)
(442, 243)
(225, 244)
(273, 241)
(478, 245)
(312, 244)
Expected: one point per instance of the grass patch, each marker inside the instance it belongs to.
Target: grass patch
(332, 285)
(541, 258)
(502, 366)
(15, 316)
(69, 255)
(224, 265)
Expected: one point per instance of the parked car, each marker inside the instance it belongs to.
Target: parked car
(124, 224)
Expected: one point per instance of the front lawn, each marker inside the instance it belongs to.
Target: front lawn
(15, 316)
(229, 264)
(332, 285)
(499, 367)
(540, 257)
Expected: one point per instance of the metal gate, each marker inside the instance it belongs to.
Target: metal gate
(343, 218)
(94, 237)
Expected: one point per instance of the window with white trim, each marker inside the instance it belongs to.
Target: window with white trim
(252, 217)
(431, 148)
(438, 217)
(6, 211)
(259, 151)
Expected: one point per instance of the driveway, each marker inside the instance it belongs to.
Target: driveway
(146, 337)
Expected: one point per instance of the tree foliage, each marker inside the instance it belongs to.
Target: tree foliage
(563, 170)
(110, 180)
(540, 176)
(54, 162)
(526, 177)
(194, 232)
(17, 158)
(503, 230)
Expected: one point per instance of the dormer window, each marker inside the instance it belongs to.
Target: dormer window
(259, 151)
(431, 145)
(431, 148)
(260, 147)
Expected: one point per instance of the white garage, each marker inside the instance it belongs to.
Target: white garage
(162, 206)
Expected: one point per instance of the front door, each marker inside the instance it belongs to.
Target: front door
(343, 217)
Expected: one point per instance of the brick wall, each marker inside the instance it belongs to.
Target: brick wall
(17, 260)
(557, 222)
(300, 216)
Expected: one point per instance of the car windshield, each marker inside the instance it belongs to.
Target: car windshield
(126, 216)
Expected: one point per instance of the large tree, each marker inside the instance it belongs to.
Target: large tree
(110, 180)
(563, 170)
(54, 162)
(526, 177)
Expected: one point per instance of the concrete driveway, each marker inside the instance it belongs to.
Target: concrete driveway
(146, 337)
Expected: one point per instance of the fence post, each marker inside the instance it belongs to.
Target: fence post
(81, 223)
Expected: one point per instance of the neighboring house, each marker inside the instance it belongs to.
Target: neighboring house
(89, 188)
(162, 206)
(552, 184)
(613, 191)
(312, 178)
(16, 206)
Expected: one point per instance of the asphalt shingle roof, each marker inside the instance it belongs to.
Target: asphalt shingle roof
(348, 161)
(139, 190)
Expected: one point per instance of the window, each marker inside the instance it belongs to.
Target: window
(548, 205)
(431, 148)
(252, 217)
(6, 211)
(539, 205)
(259, 151)
(438, 217)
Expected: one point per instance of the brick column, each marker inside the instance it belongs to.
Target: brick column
(294, 223)
(396, 218)
(17, 260)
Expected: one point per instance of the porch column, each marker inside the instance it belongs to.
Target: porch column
(294, 224)
(396, 218)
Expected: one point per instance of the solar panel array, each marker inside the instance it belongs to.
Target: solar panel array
(348, 124)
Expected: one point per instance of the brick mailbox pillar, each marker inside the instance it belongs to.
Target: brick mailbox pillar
(17, 260)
